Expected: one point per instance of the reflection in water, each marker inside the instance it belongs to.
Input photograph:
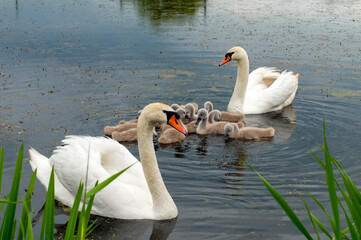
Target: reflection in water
(284, 122)
(234, 178)
(160, 11)
(202, 147)
(108, 228)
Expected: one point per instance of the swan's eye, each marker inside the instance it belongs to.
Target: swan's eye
(229, 55)
(171, 114)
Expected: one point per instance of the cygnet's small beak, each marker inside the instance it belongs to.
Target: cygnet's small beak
(226, 137)
(198, 120)
(187, 116)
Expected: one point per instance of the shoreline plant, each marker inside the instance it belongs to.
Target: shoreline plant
(351, 196)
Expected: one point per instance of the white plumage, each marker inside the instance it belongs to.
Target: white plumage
(263, 90)
(139, 193)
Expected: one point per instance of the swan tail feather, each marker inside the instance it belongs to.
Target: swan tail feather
(42, 164)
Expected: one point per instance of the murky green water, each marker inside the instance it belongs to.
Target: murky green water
(72, 67)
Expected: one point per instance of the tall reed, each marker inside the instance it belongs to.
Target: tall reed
(351, 196)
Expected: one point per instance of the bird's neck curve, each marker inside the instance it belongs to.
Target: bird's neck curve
(163, 204)
(202, 126)
(239, 92)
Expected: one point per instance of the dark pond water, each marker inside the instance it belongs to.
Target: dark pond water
(72, 67)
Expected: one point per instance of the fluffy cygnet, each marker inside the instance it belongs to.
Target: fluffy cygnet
(171, 135)
(232, 117)
(204, 127)
(175, 106)
(129, 135)
(233, 131)
(208, 106)
(226, 116)
(191, 109)
(214, 116)
(119, 128)
(130, 121)
(191, 127)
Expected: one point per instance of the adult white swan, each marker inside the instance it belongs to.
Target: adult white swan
(139, 193)
(264, 90)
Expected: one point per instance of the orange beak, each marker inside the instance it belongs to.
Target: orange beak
(177, 124)
(226, 60)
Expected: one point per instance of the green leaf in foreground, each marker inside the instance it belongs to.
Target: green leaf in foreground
(7, 228)
(70, 228)
(105, 183)
(1, 164)
(332, 189)
(47, 227)
(27, 201)
(311, 219)
(296, 221)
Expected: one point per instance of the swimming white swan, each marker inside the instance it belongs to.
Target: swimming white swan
(139, 193)
(264, 90)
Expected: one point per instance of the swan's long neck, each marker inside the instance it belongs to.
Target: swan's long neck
(163, 203)
(239, 92)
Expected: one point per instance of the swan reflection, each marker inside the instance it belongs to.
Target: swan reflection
(109, 228)
(283, 121)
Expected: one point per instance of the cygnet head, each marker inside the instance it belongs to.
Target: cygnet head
(234, 54)
(189, 108)
(214, 116)
(174, 106)
(209, 106)
(229, 129)
(202, 114)
(160, 113)
(182, 113)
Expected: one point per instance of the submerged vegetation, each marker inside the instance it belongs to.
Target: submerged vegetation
(349, 203)
(77, 226)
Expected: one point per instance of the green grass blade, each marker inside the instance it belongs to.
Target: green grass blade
(292, 216)
(70, 228)
(332, 222)
(106, 182)
(353, 206)
(81, 224)
(91, 227)
(351, 228)
(88, 212)
(27, 201)
(13, 230)
(332, 188)
(318, 160)
(8, 202)
(311, 219)
(47, 228)
(28, 227)
(1, 165)
(9, 216)
(321, 226)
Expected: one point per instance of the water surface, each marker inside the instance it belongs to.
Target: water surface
(73, 67)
